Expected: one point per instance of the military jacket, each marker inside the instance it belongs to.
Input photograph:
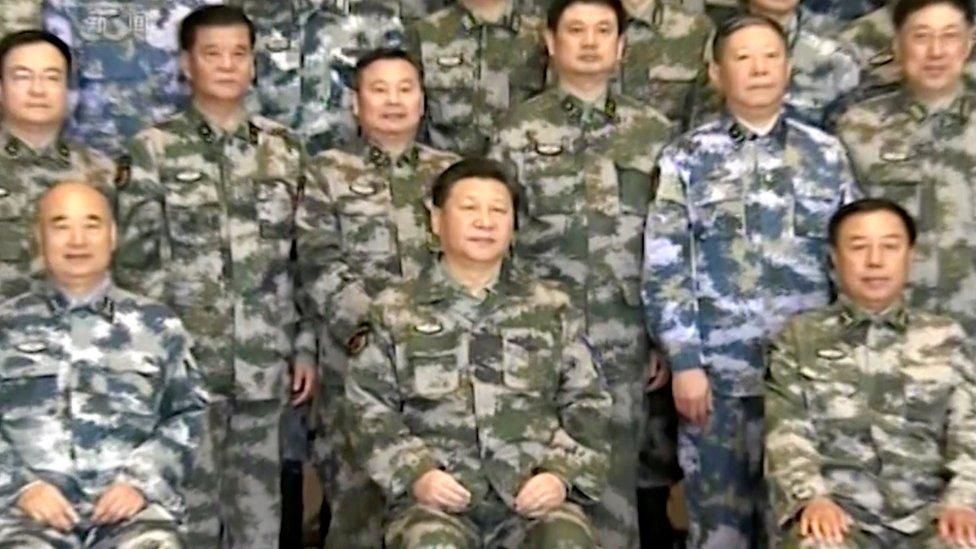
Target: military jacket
(874, 411)
(490, 390)
(664, 58)
(20, 15)
(586, 178)
(925, 161)
(126, 56)
(25, 174)
(474, 72)
(94, 392)
(371, 226)
(306, 55)
(843, 10)
(736, 243)
(208, 226)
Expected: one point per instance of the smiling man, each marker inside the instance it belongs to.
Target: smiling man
(917, 146)
(871, 405)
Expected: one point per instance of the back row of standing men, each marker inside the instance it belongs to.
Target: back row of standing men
(213, 190)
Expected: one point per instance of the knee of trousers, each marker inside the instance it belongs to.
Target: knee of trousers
(566, 526)
(423, 528)
(157, 539)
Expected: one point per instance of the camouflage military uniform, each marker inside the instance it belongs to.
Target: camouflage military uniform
(19, 15)
(735, 244)
(876, 412)
(127, 64)
(208, 226)
(24, 176)
(492, 390)
(370, 230)
(95, 391)
(586, 175)
(306, 56)
(842, 10)
(664, 58)
(925, 161)
(474, 72)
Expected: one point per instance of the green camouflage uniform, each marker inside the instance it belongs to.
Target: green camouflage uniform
(93, 391)
(474, 72)
(925, 161)
(586, 176)
(19, 15)
(876, 412)
(25, 174)
(664, 58)
(492, 390)
(208, 226)
(306, 54)
(370, 231)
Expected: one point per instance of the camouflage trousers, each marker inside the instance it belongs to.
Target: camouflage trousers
(233, 494)
(859, 538)
(722, 463)
(490, 524)
(152, 528)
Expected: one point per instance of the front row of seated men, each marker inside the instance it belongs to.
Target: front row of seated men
(482, 414)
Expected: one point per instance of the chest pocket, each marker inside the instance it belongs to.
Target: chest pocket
(812, 208)
(552, 179)
(432, 364)
(528, 359)
(830, 388)
(898, 177)
(450, 80)
(28, 382)
(275, 209)
(927, 383)
(14, 244)
(719, 211)
(193, 212)
(364, 219)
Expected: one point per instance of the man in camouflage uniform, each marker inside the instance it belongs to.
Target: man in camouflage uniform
(917, 146)
(306, 54)
(126, 54)
(584, 155)
(19, 15)
(481, 413)
(735, 244)
(664, 57)
(100, 402)
(479, 58)
(209, 227)
(34, 71)
(871, 405)
(371, 233)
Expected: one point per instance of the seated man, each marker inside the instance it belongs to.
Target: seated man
(870, 419)
(100, 402)
(480, 412)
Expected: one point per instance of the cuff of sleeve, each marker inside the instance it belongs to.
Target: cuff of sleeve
(154, 489)
(402, 482)
(959, 498)
(798, 498)
(580, 488)
(687, 358)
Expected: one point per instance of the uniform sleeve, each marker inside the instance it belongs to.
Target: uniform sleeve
(15, 475)
(579, 453)
(668, 271)
(792, 460)
(307, 268)
(158, 466)
(960, 450)
(142, 245)
(393, 457)
(334, 290)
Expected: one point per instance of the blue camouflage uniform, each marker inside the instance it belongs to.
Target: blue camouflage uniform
(95, 391)
(735, 243)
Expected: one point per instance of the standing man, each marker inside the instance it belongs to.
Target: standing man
(306, 53)
(479, 58)
(871, 404)
(735, 244)
(917, 146)
(584, 155)
(209, 227)
(126, 54)
(370, 233)
(101, 404)
(35, 67)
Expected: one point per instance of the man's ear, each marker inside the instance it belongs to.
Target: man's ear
(435, 220)
(114, 236)
(185, 65)
(715, 75)
(550, 40)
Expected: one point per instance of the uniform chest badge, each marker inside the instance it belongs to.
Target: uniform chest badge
(548, 149)
(895, 156)
(882, 58)
(830, 354)
(277, 43)
(450, 61)
(3, 192)
(429, 328)
(363, 189)
(31, 347)
(188, 176)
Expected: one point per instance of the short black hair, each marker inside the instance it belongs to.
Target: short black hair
(33, 36)
(558, 7)
(738, 22)
(869, 205)
(381, 54)
(903, 9)
(482, 168)
(216, 15)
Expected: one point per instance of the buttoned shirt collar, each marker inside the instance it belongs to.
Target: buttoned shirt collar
(15, 147)
(99, 301)
(856, 318)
